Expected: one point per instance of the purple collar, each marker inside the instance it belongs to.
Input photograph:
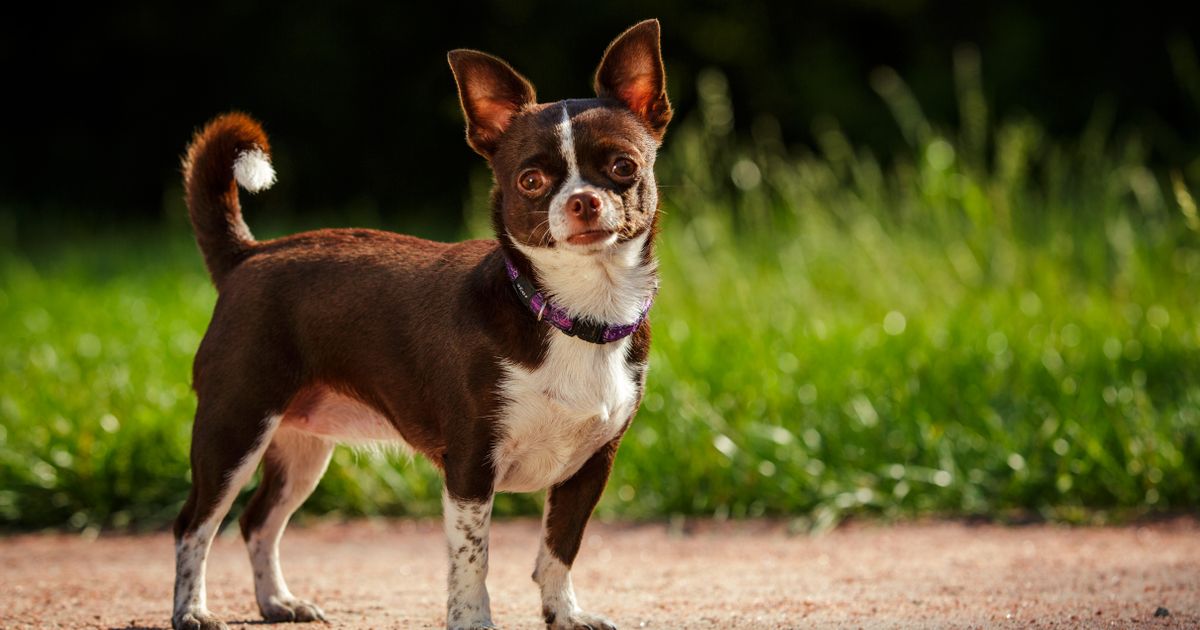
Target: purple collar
(556, 316)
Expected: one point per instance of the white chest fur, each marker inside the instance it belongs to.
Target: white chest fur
(559, 414)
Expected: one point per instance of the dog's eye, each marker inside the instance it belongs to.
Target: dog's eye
(623, 169)
(531, 181)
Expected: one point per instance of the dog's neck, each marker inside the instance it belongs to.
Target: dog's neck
(609, 286)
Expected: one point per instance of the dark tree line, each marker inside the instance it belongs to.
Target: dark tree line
(362, 109)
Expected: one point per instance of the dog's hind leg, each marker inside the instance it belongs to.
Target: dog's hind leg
(228, 441)
(292, 466)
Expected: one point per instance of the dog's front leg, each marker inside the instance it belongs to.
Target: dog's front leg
(569, 505)
(467, 516)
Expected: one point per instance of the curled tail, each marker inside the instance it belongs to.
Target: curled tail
(230, 150)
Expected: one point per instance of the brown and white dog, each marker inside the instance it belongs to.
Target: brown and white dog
(513, 364)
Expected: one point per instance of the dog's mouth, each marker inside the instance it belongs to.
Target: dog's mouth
(590, 237)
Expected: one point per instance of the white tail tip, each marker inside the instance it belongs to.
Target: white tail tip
(253, 170)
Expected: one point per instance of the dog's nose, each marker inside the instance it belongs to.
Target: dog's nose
(584, 205)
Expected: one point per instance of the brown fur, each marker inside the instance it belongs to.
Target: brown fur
(413, 329)
(212, 196)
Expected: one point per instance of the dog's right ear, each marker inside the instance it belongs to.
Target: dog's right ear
(631, 72)
(491, 92)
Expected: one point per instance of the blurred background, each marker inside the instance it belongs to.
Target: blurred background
(919, 257)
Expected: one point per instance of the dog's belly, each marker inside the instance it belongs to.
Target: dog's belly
(321, 411)
(560, 414)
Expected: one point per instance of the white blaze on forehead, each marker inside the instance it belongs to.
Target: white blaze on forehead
(567, 143)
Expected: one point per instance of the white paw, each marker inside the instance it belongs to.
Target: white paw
(291, 609)
(466, 617)
(472, 625)
(197, 619)
(578, 621)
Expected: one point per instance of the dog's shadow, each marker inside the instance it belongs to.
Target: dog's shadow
(231, 622)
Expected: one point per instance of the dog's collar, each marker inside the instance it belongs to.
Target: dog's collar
(585, 329)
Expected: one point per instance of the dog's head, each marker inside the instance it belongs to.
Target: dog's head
(577, 174)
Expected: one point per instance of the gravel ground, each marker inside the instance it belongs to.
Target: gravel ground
(391, 574)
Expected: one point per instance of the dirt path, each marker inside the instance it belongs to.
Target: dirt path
(750, 575)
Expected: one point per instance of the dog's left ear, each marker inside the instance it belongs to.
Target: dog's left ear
(491, 93)
(632, 72)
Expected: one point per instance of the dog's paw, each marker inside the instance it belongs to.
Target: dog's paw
(469, 616)
(292, 609)
(578, 621)
(197, 620)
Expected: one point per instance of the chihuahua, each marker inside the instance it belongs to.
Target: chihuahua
(514, 364)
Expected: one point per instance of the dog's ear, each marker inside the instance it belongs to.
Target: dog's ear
(631, 71)
(491, 92)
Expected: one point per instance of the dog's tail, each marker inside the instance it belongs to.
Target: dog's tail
(230, 150)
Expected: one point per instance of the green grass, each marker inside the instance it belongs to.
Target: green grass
(997, 324)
